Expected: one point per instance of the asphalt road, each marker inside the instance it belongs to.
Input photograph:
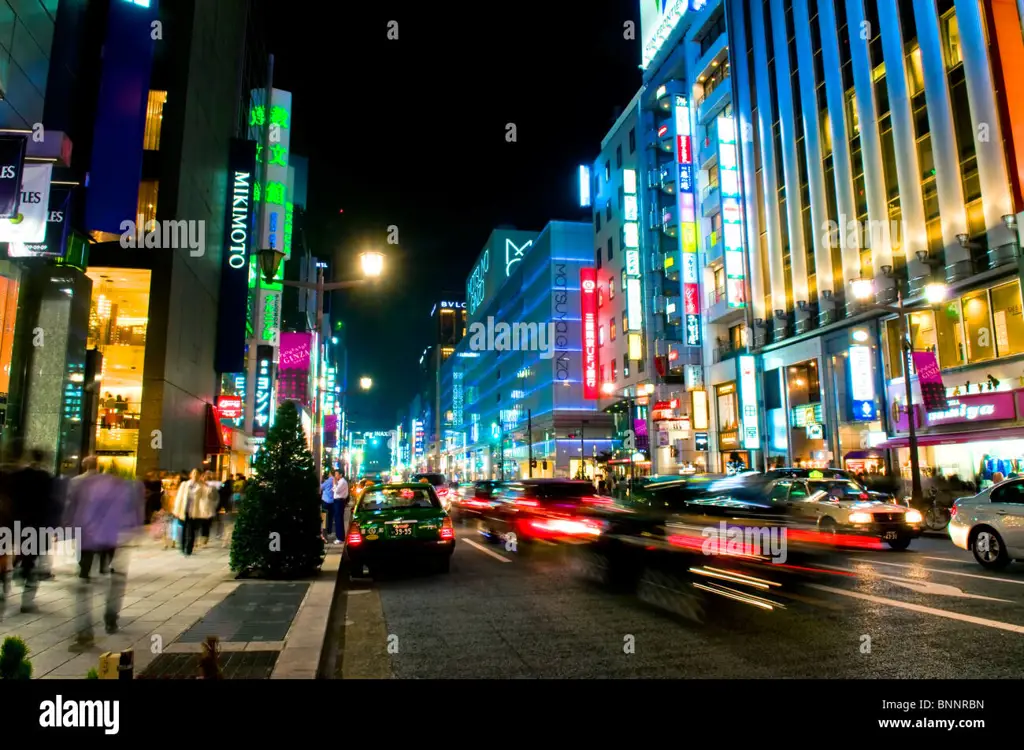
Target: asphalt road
(929, 612)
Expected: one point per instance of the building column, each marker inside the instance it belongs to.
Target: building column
(776, 270)
(839, 132)
(945, 154)
(987, 127)
(913, 227)
(878, 233)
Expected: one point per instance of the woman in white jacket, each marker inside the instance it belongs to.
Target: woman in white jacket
(191, 506)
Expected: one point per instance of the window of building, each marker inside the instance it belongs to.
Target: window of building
(632, 140)
(625, 322)
(148, 193)
(625, 367)
(611, 287)
(949, 332)
(981, 343)
(728, 414)
(608, 210)
(622, 199)
(597, 257)
(600, 296)
(600, 335)
(737, 337)
(915, 71)
(618, 156)
(597, 221)
(951, 40)
(1009, 323)
(615, 371)
(611, 329)
(611, 248)
(607, 171)
(154, 120)
(624, 285)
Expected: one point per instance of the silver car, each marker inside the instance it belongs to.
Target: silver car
(991, 524)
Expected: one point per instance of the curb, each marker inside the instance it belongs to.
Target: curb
(304, 644)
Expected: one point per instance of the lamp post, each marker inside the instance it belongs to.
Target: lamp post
(935, 292)
(372, 265)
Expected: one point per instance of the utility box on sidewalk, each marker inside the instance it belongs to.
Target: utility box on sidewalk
(117, 665)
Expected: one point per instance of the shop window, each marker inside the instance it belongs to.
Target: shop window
(1009, 323)
(950, 335)
(728, 419)
(981, 343)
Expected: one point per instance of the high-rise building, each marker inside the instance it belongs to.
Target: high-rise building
(845, 156)
(448, 317)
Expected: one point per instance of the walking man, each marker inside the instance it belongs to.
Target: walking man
(327, 505)
(340, 503)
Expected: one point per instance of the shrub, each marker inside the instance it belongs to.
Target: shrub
(14, 664)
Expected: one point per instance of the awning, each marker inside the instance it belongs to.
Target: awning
(214, 441)
(956, 438)
(862, 455)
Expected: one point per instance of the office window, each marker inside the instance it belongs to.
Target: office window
(611, 287)
(625, 367)
(600, 335)
(622, 199)
(607, 171)
(618, 156)
(625, 322)
(632, 140)
(148, 193)
(597, 257)
(981, 344)
(608, 210)
(611, 329)
(951, 40)
(1009, 324)
(597, 221)
(600, 296)
(615, 371)
(154, 120)
(623, 280)
(611, 245)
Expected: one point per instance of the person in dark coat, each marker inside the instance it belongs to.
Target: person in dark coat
(31, 491)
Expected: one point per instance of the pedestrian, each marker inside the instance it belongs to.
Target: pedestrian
(154, 495)
(340, 504)
(31, 490)
(101, 507)
(239, 489)
(327, 506)
(191, 493)
(224, 495)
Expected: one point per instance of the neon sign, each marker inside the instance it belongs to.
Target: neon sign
(264, 385)
(477, 286)
(748, 397)
(588, 314)
(631, 241)
(862, 384)
(514, 254)
(732, 231)
(687, 223)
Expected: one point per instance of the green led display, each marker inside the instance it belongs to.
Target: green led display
(288, 212)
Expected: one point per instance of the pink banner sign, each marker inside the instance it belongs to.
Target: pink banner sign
(929, 376)
(979, 407)
(295, 348)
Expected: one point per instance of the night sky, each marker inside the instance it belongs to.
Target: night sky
(411, 133)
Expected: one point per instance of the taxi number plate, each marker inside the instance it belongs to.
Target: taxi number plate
(404, 530)
(889, 535)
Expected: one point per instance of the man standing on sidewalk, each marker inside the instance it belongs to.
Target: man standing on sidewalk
(340, 503)
(31, 488)
(327, 505)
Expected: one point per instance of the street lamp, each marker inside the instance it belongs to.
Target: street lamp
(863, 290)
(372, 264)
(365, 383)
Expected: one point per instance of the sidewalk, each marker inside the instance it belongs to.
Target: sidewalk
(171, 604)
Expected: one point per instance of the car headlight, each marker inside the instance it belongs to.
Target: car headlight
(913, 516)
(860, 517)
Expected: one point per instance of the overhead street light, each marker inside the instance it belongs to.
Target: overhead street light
(365, 383)
(935, 292)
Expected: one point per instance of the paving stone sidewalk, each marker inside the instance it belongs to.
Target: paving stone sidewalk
(171, 603)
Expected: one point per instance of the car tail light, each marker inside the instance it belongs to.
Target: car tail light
(528, 503)
(447, 530)
(355, 534)
(952, 511)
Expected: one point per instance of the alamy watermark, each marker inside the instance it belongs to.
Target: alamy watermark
(30, 541)
(515, 337)
(745, 541)
(166, 235)
(861, 235)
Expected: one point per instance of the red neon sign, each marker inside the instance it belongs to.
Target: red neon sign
(588, 314)
(230, 407)
(685, 154)
(691, 296)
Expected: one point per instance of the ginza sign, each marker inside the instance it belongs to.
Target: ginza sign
(239, 252)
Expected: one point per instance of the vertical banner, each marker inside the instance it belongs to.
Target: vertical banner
(235, 257)
(862, 384)
(29, 225)
(631, 243)
(294, 367)
(929, 376)
(264, 390)
(588, 314)
(748, 401)
(55, 241)
(12, 160)
(732, 219)
(687, 223)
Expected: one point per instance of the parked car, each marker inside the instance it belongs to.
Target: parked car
(991, 524)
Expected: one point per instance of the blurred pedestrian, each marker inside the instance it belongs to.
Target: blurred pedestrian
(340, 504)
(31, 489)
(102, 508)
(191, 493)
(327, 506)
(154, 495)
(224, 494)
(207, 507)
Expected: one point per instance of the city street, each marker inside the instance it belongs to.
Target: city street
(930, 612)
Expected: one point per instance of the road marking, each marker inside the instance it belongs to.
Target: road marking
(483, 549)
(948, 559)
(939, 589)
(945, 572)
(925, 610)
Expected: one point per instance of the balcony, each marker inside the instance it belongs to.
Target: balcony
(666, 94)
(674, 310)
(708, 153)
(670, 222)
(712, 102)
(671, 266)
(710, 61)
(718, 310)
(668, 176)
(715, 248)
(724, 351)
(710, 200)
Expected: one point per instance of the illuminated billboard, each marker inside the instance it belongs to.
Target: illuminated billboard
(501, 256)
(687, 223)
(748, 400)
(732, 217)
(588, 314)
(658, 19)
(584, 186)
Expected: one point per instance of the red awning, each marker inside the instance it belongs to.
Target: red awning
(214, 443)
(955, 438)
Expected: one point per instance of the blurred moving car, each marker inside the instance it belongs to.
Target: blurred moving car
(842, 506)
(533, 509)
(471, 499)
(991, 524)
(797, 473)
(439, 483)
(400, 524)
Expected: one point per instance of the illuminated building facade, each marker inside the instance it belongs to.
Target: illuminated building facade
(514, 384)
(449, 323)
